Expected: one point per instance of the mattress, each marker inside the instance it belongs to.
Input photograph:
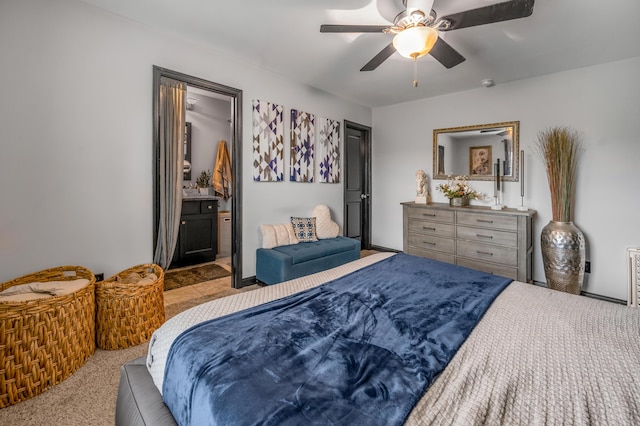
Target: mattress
(538, 356)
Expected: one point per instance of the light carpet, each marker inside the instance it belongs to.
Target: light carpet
(88, 397)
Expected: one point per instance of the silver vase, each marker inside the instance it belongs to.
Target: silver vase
(563, 256)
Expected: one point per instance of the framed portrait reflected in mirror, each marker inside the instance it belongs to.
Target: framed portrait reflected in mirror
(480, 161)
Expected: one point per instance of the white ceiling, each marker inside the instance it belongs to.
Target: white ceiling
(283, 36)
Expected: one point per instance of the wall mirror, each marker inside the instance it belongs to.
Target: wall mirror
(473, 151)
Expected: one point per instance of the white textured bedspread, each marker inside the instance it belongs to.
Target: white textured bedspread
(542, 357)
(537, 357)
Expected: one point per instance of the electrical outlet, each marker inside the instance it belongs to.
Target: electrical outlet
(587, 267)
(99, 277)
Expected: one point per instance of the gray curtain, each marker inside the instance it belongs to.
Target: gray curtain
(171, 134)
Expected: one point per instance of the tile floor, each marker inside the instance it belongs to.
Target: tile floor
(220, 285)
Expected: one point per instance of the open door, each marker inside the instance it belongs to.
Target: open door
(357, 183)
(235, 98)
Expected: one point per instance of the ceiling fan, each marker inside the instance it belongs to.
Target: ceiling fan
(416, 29)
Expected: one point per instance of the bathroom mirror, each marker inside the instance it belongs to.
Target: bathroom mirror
(472, 151)
(186, 149)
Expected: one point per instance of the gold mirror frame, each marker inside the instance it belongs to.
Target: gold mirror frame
(487, 147)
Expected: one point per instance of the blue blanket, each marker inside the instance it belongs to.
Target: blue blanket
(359, 350)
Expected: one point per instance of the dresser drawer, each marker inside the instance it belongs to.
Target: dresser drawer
(435, 255)
(431, 242)
(490, 236)
(430, 214)
(431, 228)
(487, 252)
(491, 268)
(505, 223)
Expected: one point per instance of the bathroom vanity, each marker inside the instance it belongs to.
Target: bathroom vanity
(198, 237)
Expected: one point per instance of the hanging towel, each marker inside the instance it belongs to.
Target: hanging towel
(222, 172)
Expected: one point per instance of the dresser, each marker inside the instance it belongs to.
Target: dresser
(495, 241)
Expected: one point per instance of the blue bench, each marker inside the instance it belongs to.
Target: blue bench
(284, 263)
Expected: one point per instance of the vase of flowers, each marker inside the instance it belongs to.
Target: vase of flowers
(458, 191)
(562, 242)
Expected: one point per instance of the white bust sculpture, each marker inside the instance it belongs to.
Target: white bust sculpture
(422, 187)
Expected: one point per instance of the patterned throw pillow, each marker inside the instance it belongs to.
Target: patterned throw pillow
(305, 228)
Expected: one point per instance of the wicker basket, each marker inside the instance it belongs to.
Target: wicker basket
(44, 341)
(128, 314)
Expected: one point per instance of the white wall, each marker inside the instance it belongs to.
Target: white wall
(601, 101)
(75, 114)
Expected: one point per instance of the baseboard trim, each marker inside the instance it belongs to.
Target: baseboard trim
(590, 295)
(385, 249)
(246, 282)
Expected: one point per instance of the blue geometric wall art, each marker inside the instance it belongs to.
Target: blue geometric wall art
(268, 142)
(303, 138)
(328, 148)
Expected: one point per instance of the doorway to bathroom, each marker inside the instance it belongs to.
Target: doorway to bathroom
(213, 120)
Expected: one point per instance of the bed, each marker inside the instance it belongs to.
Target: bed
(535, 356)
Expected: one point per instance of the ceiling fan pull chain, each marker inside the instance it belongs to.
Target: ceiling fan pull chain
(415, 72)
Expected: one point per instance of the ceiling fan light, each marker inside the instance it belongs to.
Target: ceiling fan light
(415, 42)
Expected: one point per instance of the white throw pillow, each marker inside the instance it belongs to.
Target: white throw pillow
(277, 235)
(268, 236)
(325, 227)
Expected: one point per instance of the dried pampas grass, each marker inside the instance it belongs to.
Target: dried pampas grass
(559, 149)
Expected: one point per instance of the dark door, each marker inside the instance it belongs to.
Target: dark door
(357, 183)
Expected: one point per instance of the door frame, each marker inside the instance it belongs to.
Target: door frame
(365, 237)
(236, 160)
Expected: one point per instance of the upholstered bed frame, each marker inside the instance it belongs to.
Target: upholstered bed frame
(139, 401)
(509, 346)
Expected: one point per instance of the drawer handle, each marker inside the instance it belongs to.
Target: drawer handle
(429, 242)
(429, 214)
(428, 229)
(484, 221)
(484, 252)
(209, 207)
(184, 223)
(484, 236)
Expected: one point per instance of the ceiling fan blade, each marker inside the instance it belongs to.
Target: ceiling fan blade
(352, 28)
(379, 58)
(445, 54)
(489, 14)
